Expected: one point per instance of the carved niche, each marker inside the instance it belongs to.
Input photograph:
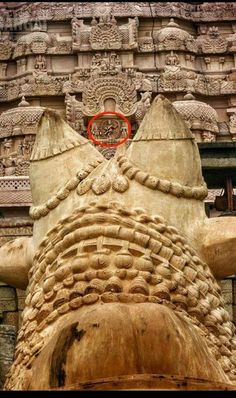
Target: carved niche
(174, 78)
(104, 34)
(213, 42)
(15, 155)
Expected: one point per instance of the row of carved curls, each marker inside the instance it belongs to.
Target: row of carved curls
(191, 269)
(155, 183)
(36, 212)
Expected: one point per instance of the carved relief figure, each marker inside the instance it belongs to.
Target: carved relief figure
(106, 63)
(122, 248)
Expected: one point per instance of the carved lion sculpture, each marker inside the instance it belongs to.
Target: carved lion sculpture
(121, 272)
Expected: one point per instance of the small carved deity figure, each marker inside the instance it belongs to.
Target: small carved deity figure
(172, 62)
(96, 61)
(104, 63)
(115, 62)
(7, 146)
(208, 136)
(40, 64)
(10, 166)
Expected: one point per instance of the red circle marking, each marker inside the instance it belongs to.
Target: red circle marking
(97, 142)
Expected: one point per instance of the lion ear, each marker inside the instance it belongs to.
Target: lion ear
(58, 154)
(164, 145)
(55, 136)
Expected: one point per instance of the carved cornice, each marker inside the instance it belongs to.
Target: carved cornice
(28, 12)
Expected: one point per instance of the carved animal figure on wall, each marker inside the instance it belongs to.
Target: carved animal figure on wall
(121, 272)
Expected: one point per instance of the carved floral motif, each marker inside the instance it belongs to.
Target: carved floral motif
(104, 34)
(213, 42)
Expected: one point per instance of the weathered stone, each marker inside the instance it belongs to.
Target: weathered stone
(7, 344)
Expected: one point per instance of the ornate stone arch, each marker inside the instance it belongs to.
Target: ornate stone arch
(119, 88)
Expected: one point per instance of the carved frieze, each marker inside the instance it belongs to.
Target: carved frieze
(63, 11)
(106, 64)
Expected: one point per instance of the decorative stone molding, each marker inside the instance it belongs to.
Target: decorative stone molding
(15, 191)
(120, 88)
(36, 42)
(24, 13)
(142, 106)
(22, 120)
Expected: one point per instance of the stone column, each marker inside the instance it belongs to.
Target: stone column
(7, 347)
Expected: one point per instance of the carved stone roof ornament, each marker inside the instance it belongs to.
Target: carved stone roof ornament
(36, 42)
(21, 120)
(172, 37)
(198, 115)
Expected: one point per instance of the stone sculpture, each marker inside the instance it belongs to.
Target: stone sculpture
(121, 272)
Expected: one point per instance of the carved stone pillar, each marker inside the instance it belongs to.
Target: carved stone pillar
(7, 344)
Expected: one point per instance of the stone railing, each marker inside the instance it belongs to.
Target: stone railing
(15, 191)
